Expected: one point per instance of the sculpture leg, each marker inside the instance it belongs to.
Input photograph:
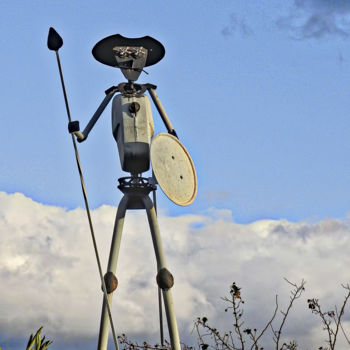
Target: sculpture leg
(161, 265)
(112, 266)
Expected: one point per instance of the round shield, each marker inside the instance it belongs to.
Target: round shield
(173, 169)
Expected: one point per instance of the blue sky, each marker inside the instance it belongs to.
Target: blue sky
(261, 106)
(258, 92)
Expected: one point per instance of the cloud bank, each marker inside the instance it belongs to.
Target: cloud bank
(49, 277)
(317, 19)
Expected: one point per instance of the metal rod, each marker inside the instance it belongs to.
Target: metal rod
(161, 111)
(98, 113)
(160, 317)
(160, 306)
(161, 263)
(87, 204)
(63, 85)
(112, 267)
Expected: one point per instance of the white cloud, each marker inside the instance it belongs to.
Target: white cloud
(317, 19)
(49, 276)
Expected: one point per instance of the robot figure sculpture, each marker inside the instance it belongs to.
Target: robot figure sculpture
(133, 130)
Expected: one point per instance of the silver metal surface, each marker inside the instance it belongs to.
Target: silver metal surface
(112, 266)
(133, 131)
(131, 60)
(161, 110)
(161, 263)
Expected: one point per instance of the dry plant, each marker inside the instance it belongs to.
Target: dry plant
(131, 345)
(244, 338)
(331, 320)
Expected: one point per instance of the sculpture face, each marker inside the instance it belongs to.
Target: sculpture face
(131, 60)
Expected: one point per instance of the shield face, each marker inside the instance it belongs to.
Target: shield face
(174, 169)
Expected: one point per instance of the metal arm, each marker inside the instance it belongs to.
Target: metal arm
(82, 136)
(161, 110)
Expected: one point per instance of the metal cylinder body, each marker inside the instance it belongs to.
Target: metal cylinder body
(133, 129)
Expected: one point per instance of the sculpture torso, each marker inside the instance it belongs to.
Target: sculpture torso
(133, 131)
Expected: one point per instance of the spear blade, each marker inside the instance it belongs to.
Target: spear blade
(54, 40)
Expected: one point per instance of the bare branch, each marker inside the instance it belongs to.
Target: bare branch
(295, 294)
(220, 340)
(340, 315)
(344, 333)
(267, 325)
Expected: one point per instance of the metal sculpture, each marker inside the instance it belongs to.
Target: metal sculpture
(133, 129)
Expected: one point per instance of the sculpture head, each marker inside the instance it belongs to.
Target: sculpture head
(131, 55)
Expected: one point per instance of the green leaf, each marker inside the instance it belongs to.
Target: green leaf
(33, 340)
(38, 331)
(37, 341)
(30, 342)
(46, 345)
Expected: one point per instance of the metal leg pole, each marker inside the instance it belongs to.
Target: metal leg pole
(159, 290)
(161, 263)
(112, 266)
(160, 317)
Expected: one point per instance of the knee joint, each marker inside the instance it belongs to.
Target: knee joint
(111, 282)
(165, 279)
